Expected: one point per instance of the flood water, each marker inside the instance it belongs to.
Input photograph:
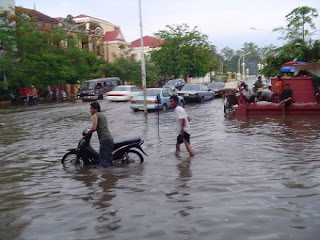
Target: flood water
(251, 178)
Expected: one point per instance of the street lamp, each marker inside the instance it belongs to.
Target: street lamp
(243, 62)
(243, 70)
(259, 66)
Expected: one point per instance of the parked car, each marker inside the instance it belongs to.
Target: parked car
(175, 83)
(123, 93)
(95, 89)
(196, 92)
(157, 99)
(217, 88)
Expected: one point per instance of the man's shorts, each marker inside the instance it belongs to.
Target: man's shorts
(186, 136)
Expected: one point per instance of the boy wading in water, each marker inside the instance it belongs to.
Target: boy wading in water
(184, 126)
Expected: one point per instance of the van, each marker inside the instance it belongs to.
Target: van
(95, 89)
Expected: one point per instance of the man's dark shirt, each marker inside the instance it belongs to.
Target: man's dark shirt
(286, 94)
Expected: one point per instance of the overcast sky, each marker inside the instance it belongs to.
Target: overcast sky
(227, 23)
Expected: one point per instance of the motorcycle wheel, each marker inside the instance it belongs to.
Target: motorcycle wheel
(71, 159)
(135, 156)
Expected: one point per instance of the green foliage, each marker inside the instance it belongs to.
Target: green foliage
(299, 20)
(128, 69)
(298, 46)
(42, 58)
(296, 50)
(184, 53)
(231, 58)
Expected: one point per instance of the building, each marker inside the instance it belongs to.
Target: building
(149, 44)
(42, 21)
(104, 38)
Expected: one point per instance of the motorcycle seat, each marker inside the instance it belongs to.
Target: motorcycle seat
(120, 142)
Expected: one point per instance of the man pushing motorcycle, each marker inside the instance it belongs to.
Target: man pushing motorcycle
(99, 124)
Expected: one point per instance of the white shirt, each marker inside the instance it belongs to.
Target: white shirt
(247, 93)
(182, 114)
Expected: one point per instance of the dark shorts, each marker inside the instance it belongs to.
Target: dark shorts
(186, 136)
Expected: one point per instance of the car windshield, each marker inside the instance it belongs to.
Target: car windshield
(191, 87)
(88, 85)
(216, 85)
(121, 88)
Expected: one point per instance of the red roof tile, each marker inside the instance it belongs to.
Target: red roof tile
(81, 16)
(113, 36)
(39, 17)
(148, 41)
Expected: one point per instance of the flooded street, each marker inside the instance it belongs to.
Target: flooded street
(251, 178)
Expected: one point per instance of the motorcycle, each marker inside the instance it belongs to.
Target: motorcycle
(125, 151)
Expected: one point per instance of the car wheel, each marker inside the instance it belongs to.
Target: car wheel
(202, 99)
(100, 97)
(164, 107)
(181, 104)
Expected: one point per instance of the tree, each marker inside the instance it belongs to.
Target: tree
(7, 46)
(184, 53)
(227, 54)
(299, 19)
(298, 46)
(128, 69)
(43, 57)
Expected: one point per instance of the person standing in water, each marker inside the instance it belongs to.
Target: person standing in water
(184, 126)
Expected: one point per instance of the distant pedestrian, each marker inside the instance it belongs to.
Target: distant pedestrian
(34, 95)
(184, 126)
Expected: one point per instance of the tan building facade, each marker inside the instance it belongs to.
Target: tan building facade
(149, 44)
(104, 38)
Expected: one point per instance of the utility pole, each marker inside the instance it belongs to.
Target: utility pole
(143, 65)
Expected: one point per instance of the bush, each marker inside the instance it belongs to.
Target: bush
(5, 95)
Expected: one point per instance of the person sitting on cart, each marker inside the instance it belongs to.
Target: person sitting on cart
(317, 94)
(248, 94)
(286, 97)
(258, 85)
(266, 95)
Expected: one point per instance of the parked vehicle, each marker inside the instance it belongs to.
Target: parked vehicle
(124, 151)
(123, 93)
(95, 89)
(175, 83)
(196, 92)
(157, 99)
(217, 88)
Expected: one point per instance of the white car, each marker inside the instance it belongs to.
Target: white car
(123, 93)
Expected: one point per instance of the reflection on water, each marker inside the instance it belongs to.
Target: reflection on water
(252, 177)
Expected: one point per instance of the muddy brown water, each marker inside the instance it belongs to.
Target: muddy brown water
(251, 178)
